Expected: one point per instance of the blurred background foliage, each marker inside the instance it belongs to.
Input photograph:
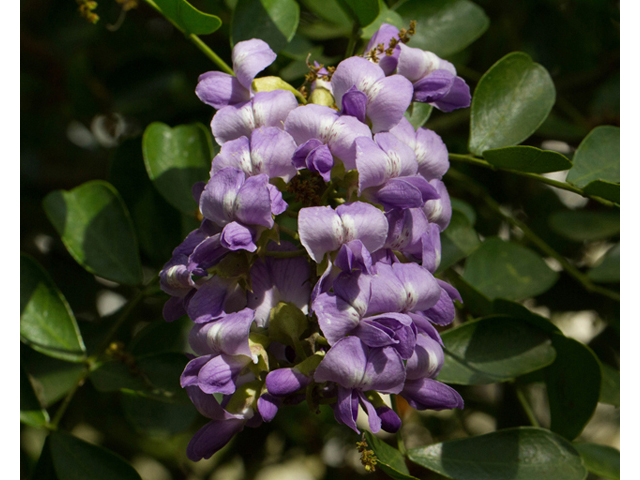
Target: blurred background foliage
(89, 91)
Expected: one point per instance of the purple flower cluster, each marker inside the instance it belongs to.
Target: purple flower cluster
(367, 191)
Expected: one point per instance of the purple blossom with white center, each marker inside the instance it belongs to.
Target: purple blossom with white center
(357, 369)
(221, 89)
(275, 280)
(321, 134)
(434, 80)
(269, 151)
(241, 205)
(265, 109)
(358, 227)
(362, 90)
(385, 33)
(388, 173)
(228, 335)
(431, 152)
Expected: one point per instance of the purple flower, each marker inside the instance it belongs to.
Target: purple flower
(241, 205)
(388, 173)
(215, 434)
(265, 109)
(427, 393)
(321, 134)
(362, 90)
(228, 335)
(356, 369)
(438, 210)
(269, 151)
(275, 280)
(431, 152)
(385, 33)
(434, 80)
(324, 230)
(221, 89)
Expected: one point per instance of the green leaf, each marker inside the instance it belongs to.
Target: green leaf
(524, 453)
(600, 459)
(386, 15)
(188, 18)
(175, 159)
(607, 270)
(155, 376)
(331, 12)
(97, 230)
(458, 240)
(584, 225)
(47, 323)
(390, 460)
(274, 21)
(500, 269)
(597, 158)
(31, 412)
(516, 310)
(154, 417)
(573, 385)
(52, 378)
(527, 159)
(444, 27)
(44, 469)
(363, 11)
(511, 101)
(465, 208)
(494, 349)
(475, 301)
(161, 337)
(418, 113)
(610, 388)
(75, 459)
(607, 190)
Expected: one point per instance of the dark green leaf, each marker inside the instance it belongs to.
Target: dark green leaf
(390, 460)
(418, 113)
(524, 453)
(175, 159)
(610, 388)
(584, 225)
(156, 417)
(476, 302)
(385, 15)
(494, 349)
(75, 459)
(52, 378)
(156, 376)
(44, 469)
(444, 27)
(465, 208)
(500, 269)
(331, 12)
(188, 18)
(47, 323)
(97, 230)
(607, 190)
(516, 310)
(363, 11)
(573, 385)
(274, 21)
(31, 412)
(510, 102)
(157, 223)
(607, 270)
(458, 240)
(597, 158)
(160, 337)
(527, 159)
(600, 459)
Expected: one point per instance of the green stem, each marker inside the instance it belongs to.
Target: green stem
(330, 188)
(554, 183)
(480, 192)
(197, 42)
(401, 446)
(353, 39)
(67, 400)
(526, 406)
(288, 231)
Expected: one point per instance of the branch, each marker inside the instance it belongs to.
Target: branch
(540, 178)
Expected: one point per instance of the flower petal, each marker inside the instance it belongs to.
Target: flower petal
(236, 236)
(310, 122)
(233, 122)
(212, 437)
(459, 96)
(431, 154)
(235, 154)
(388, 99)
(219, 196)
(363, 222)
(434, 86)
(220, 89)
(354, 71)
(430, 394)
(344, 363)
(354, 104)
(253, 202)
(249, 58)
(342, 138)
(320, 230)
(229, 335)
(427, 359)
(271, 153)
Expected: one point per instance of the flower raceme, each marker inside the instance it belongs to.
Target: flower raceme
(350, 186)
